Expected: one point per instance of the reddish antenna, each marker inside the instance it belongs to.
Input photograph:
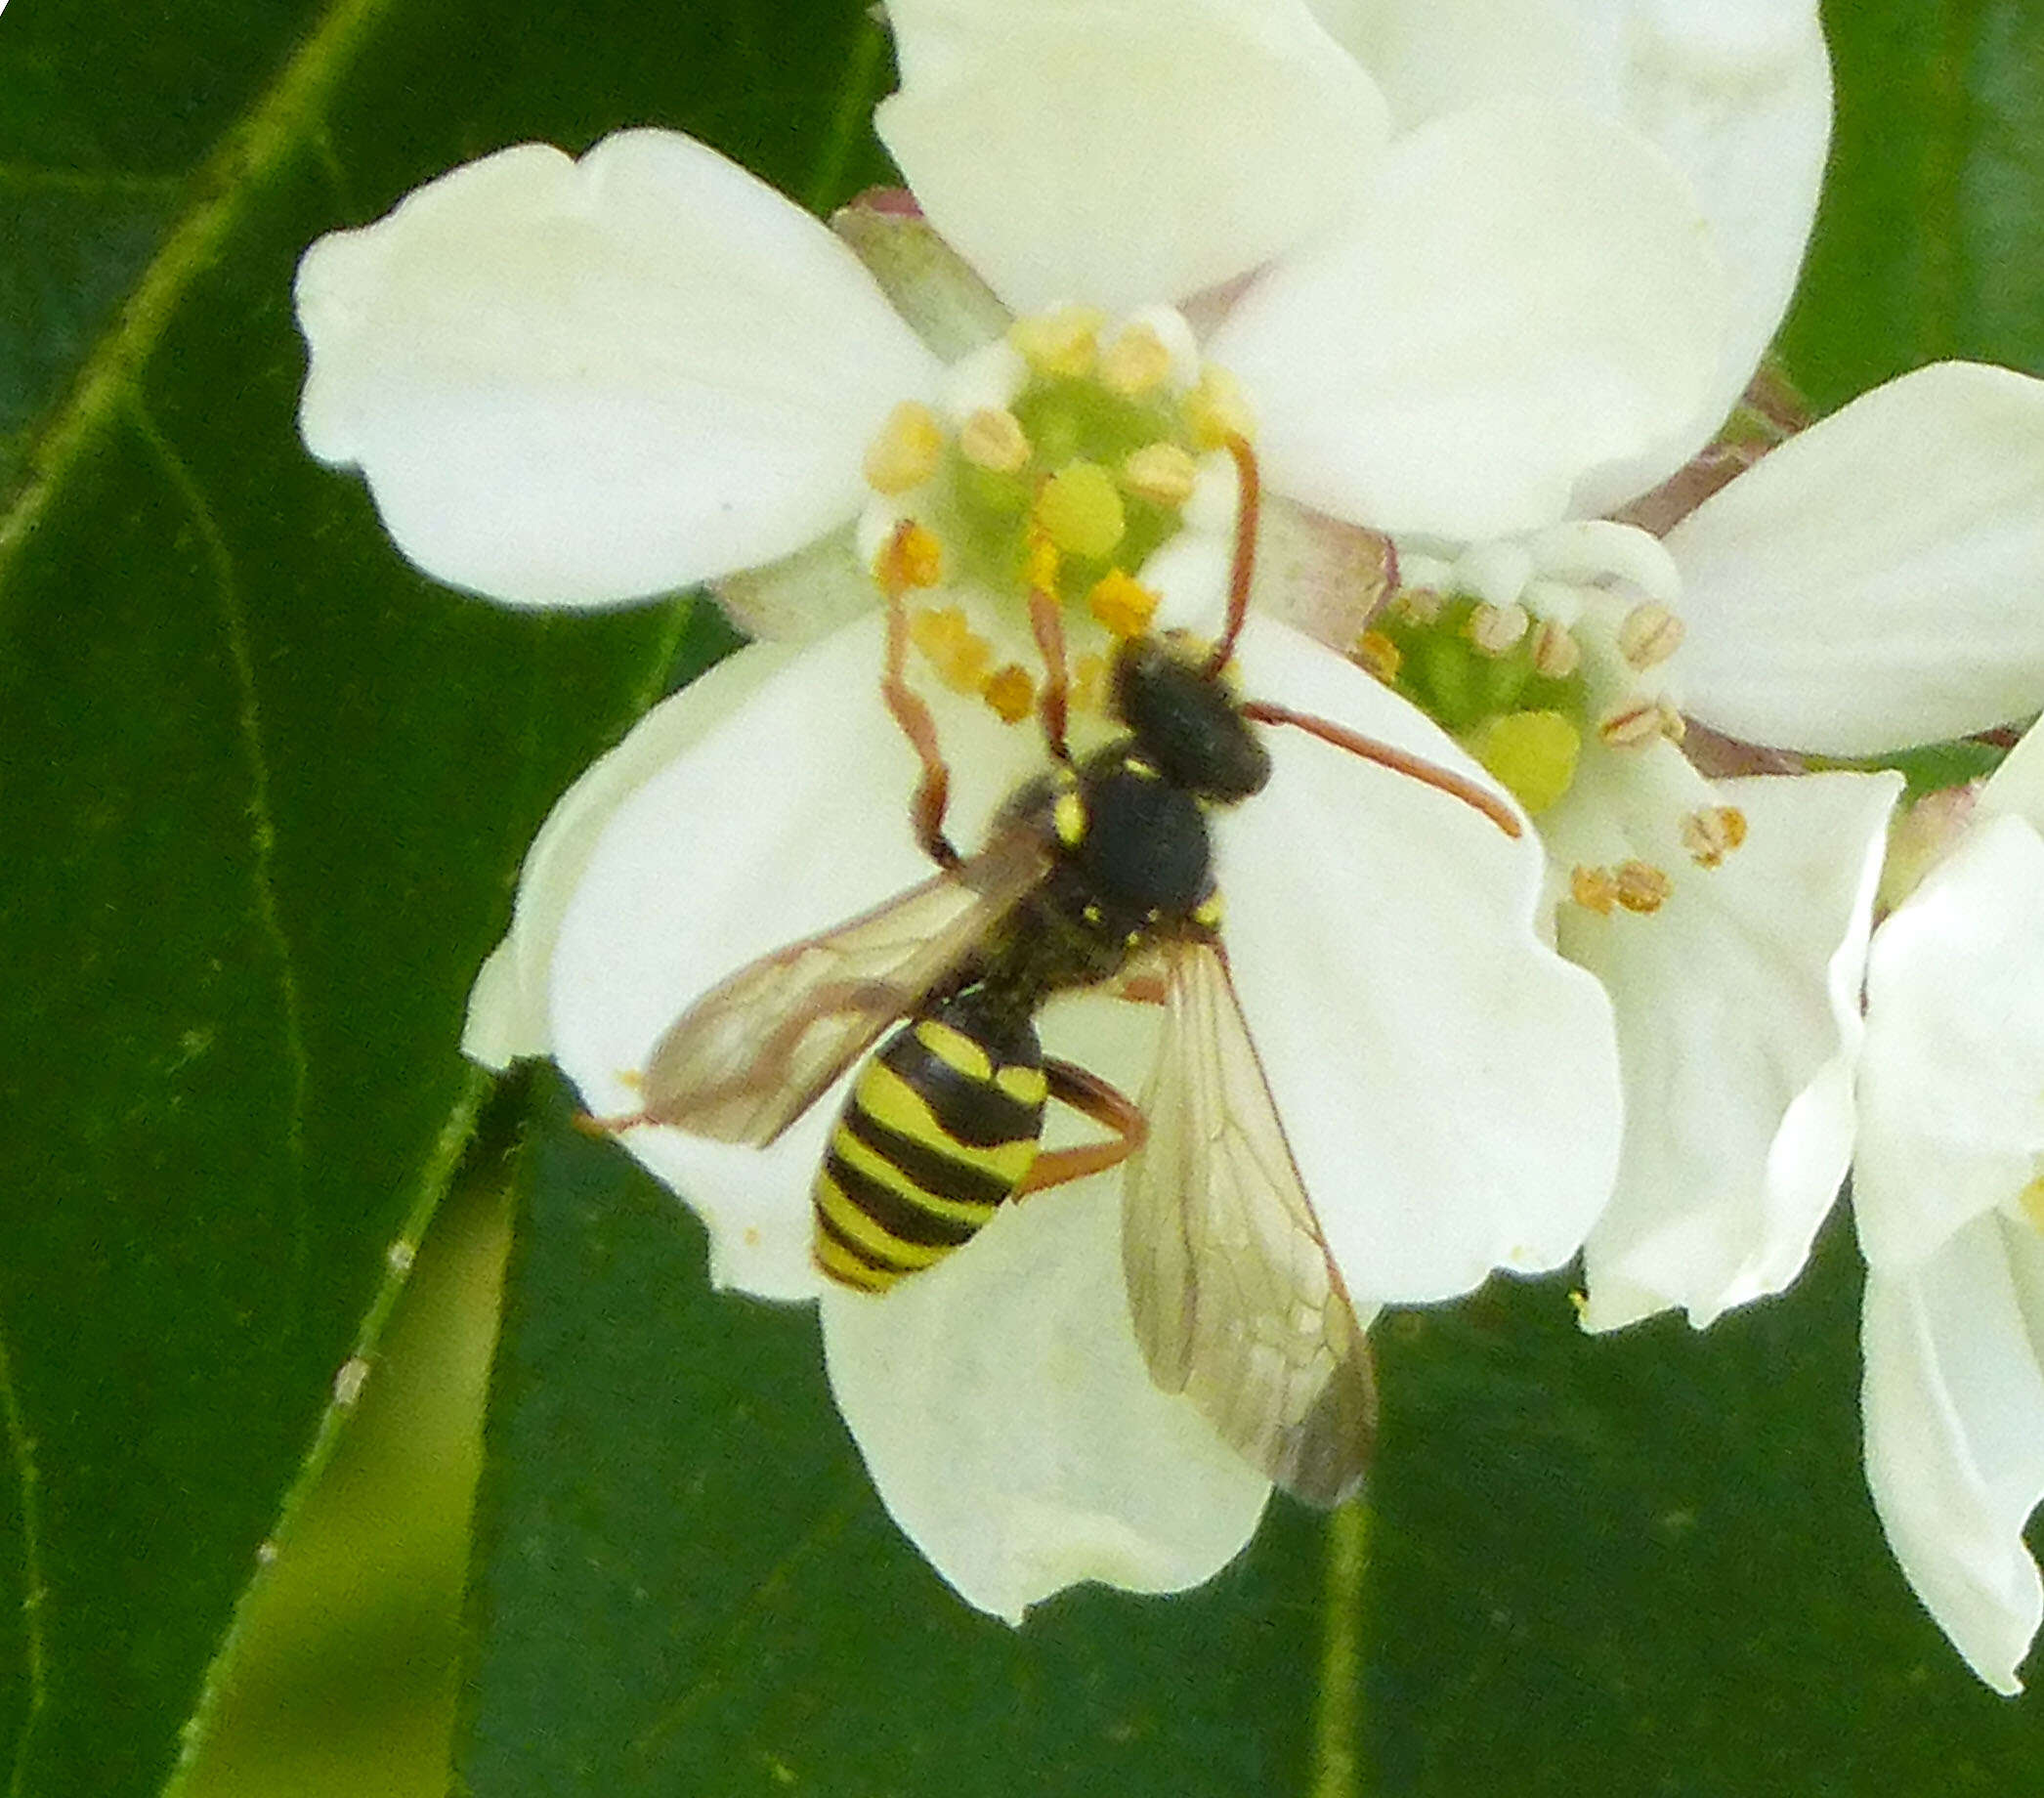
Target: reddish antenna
(1248, 508)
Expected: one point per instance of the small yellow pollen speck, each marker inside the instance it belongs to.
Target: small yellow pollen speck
(1496, 631)
(1136, 361)
(993, 438)
(1039, 562)
(1216, 409)
(1649, 635)
(1063, 342)
(958, 653)
(1633, 726)
(1162, 473)
(1088, 681)
(2032, 1200)
(1079, 511)
(1555, 652)
(1209, 912)
(347, 1381)
(1641, 886)
(1593, 889)
(1376, 654)
(1122, 603)
(401, 1255)
(1713, 832)
(1534, 754)
(1579, 1300)
(1010, 693)
(1673, 726)
(912, 557)
(906, 453)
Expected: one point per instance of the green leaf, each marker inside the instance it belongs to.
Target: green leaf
(1934, 207)
(687, 1584)
(264, 796)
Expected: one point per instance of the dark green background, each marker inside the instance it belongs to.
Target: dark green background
(262, 795)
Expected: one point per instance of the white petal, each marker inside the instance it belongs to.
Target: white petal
(582, 383)
(1872, 584)
(1011, 1428)
(1737, 93)
(1738, 1021)
(1954, 1403)
(1951, 1087)
(507, 1009)
(781, 821)
(1448, 1082)
(1121, 151)
(1522, 297)
(2018, 784)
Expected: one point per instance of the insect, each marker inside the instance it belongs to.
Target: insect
(1097, 871)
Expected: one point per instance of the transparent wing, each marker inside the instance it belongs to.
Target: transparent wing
(756, 1051)
(1235, 1300)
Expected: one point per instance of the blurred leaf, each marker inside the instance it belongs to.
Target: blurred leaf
(687, 1584)
(263, 793)
(1927, 245)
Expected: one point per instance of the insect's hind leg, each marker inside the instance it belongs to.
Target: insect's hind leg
(1108, 1106)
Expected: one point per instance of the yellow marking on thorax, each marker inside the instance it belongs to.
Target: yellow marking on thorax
(1141, 769)
(1068, 817)
(1207, 912)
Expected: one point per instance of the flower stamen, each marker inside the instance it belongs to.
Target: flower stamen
(1713, 832)
(907, 452)
(1065, 342)
(993, 438)
(1649, 635)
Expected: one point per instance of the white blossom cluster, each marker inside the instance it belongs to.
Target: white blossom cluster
(1480, 280)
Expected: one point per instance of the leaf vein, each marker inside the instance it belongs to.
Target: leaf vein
(253, 149)
(234, 625)
(35, 1592)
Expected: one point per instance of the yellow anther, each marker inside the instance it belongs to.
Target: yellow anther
(952, 647)
(1633, 726)
(1418, 605)
(993, 438)
(1713, 832)
(1649, 635)
(912, 557)
(1534, 754)
(1136, 361)
(1010, 693)
(1496, 630)
(1376, 654)
(1122, 603)
(1216, 409)
(1064, 342)
(907, 452)
(1673, 726)
(1555, 652)
(1040, 563)
(1080, 510)
(1641, 886)
(1593, 889)
(1162, 473)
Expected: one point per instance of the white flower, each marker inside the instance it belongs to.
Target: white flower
(1871, 584)
(1949, 1195)
(582, 382)
(1449, 1084)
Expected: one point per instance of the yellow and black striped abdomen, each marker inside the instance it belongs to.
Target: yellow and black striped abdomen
(940, 1129)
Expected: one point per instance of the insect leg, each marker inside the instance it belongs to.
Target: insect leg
(1386, 756)
(1108, 1106)
(933, 790)
(1049, 625)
